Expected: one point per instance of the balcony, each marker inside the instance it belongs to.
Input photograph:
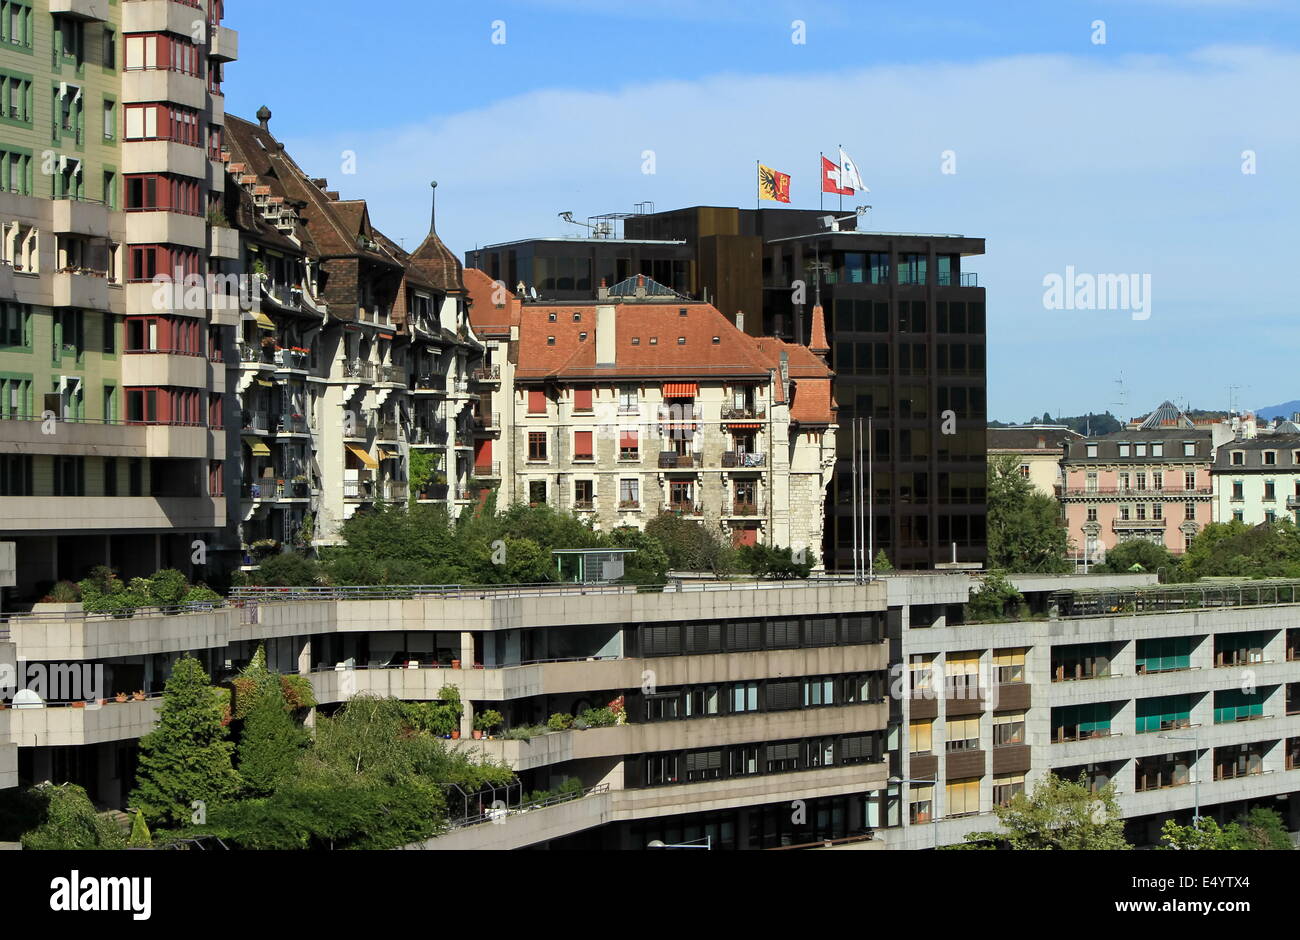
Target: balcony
(359, 369)
(486, 374)
(1293, 502)
(435, 436)
(256, 422)
(670, 460)
(954, 279)
(223, 44)
(395, 491)
(436, 492)
(686, 507)
(431, 385)
(746, 508)
(490, 471)
(293, 424)
(292, 360)
(389, 431)
(743, 459)
(359, 490)
(282, 295)
(81, 287)
(747, 413)
(584, 505)
(1128, 525)
(465, 438)
(393, 375)
(88, 11)
(7, 290)
(80, 217)
(251, 354)
(224, 242)
(488, 422)
(1129, 492)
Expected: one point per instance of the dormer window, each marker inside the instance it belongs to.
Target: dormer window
(717, 340)
(654, 341)
(551, 317)
(636, 341)
(1270, 458)
(681, 312)
(550, 341)
(1238, 458)
(582, 337)
(681, 341)
(577, 318)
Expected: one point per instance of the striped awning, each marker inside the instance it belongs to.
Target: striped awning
(681, 389)
(258, 447)
(362, 455)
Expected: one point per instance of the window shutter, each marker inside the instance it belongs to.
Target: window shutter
(536, 401)
(582, 399)
(582, 444)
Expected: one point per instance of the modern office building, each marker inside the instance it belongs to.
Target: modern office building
(1257, 480)
(110, 405)
(641, 401)
(906, 328)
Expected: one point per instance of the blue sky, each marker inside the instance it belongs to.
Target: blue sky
(1117, 158)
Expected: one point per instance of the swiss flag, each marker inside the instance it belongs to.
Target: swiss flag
(831, 179)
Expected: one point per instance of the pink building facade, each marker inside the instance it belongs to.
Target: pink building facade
(1150, 484)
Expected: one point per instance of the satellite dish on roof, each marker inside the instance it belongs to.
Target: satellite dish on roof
(27, 698)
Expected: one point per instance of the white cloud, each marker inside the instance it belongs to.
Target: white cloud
(1109, 164)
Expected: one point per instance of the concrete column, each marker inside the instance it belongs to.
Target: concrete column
(467, 719)
(466, 650)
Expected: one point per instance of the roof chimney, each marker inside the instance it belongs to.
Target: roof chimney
(264, 117)
(602, 292)
(606, 335)
(819, 347)
(740, 320)
(640, 285)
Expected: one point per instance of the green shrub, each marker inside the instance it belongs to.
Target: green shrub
(560, 721)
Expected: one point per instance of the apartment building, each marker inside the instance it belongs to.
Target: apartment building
(906, 329)
(1152, 482)
(1036, 450)
(1257, 480)
(644, 401)
(351, 352)
(112, 125)
(1182, 695)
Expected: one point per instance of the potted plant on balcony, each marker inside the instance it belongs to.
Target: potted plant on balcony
(138, 696)
(484, 722)
(120, 697)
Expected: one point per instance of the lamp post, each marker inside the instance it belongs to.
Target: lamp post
(1196, 770)
(934, 812)
(692, 844)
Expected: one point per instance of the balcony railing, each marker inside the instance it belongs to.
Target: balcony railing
(686, 507)
(252, 353)
(487, 422)
(359, 369)
(584, 505)
(486, 374)
(749, 412)
(431, 383)
(293, 424)
(393, 375)
(490, 471)
(358, 489)
(292, 359)
(395, 491)
(389, 431)
(427, 435)
(1133, 493)
(741, 507)
(257, 421)
(670, 460)
(743, 459)
(1120, 525)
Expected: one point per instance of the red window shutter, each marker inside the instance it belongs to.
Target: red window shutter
(582, 444)
(629, 440)
(483, 456)
(536, 401)
(582, 399)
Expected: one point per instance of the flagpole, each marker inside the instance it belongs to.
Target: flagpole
(871, 497)
(821, 175)
(853, 477)
(758, 185)
(841, 186)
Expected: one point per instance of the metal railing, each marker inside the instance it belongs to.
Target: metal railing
(359, 369)
(1132, 492)
(486, 374)
(487, 421)
(257, 421)
(507, 812)
(488, 471)
(358, 489)
(743, 458)
(393, 375)
(669, 460)
(749, 412)
(431, 383)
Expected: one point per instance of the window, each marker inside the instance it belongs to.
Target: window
(1157, 449)
(1270, 490)
(16, 177)
(1139, 450)
(681, 341)
(1270, 458)
(1123, 450)
(584, 494)
(629, 445)
(110, 190)
(582, 399)
(1006, 786)
(69, 476)
(537, 492)
(963, 797)
(536, 401)
(110, 119)
(820, 691)
(16, 101)
(110, 476)
(1009, 729)
(110, 404)
(1009, 666)
(16, 22)
(16, 325)
(629, 494)
(628, 402)
(165, 193)
(162, 122)
(920, 803)
(920, 736)
(109, 49)
(1092, 450)
(963, 734)
(536, 445)
(744, 697)
(15, 475)
(582, 446)
(1092, 513)
(1189, 480)
(703, 701)
(161, 51)
(1238, 458)
(1237, 491)
(1189, 448)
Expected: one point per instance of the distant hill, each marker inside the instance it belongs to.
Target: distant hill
(1284, 410)
(1084, 424)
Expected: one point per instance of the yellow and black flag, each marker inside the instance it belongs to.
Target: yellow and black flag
(773, 185)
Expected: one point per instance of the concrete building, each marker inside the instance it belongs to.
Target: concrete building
(1257, 480)
(1153, 483)
(1037, 451)
(642, 401)
(109, 424)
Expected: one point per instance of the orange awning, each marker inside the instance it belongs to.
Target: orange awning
(680, 389)
(364, 457)
(739, 426)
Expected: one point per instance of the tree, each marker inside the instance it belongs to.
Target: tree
(1059, 815)
(649, 564)
(59, 817)
(689, 545)
(772, 561)
(270, 744)
(187, 756)
(287, 569)
(882, 564)
(995, 599)
(1234, 549)
(1130, 552)
(140, 837)
(1025, 534)
(1260, 829)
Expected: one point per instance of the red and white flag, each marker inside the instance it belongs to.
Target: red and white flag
(831, 179)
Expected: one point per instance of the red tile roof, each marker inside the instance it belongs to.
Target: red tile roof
(487, 319)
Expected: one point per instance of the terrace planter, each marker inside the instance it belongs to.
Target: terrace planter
(61, 609)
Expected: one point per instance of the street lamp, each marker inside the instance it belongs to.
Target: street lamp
(934, 811)
(1196, 770)
(692, 844)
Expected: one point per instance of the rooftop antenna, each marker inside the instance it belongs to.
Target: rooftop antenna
(1232, 398)
(1122, 394)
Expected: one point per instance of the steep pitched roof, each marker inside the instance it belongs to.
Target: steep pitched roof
(486, 317)
(1166, 416)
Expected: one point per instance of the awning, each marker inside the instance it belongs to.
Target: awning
(742, 426)
(680, 389)
(265, 382)
(265, 322)
(388, 454)
(258, 447)
(363, 456)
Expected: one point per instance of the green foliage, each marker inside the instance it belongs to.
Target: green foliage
(597, 718)
(187, 756)
(570, 788)
(63, 592)
(1058, 815)
(1132, 552)
(53, 817)
(1233, 549)
(270, 743)
(287, 569)
(1025, 532)
(487, 720)
(690, 545)
(996, 599)
(882, 564)
(438, 718)
(649, 564)
(140, 837)
(104, 592)
(1260, 829)
(560, 721)
(772, 561)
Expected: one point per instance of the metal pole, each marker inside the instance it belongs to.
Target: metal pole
(871, 497)
(853, 483)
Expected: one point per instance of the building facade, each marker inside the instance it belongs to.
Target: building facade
(1257, 480)
(1036, 451)
(111, 444)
